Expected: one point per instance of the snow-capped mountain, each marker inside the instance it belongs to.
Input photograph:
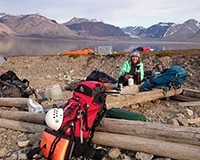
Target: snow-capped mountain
(165, 30)
(36, 25)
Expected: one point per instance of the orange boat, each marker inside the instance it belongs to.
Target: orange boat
(84, 51)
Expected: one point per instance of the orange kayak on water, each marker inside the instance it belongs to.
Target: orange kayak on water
(84, 51)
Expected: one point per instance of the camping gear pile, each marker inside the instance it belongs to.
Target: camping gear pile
(173, 77)
(73, 124)
(12, 86)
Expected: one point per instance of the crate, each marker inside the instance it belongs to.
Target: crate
(105, 50)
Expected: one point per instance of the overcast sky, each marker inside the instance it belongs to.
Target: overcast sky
(120, 13)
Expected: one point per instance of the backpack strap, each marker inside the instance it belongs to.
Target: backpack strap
(85, 116)
(34, 151)
(62, 130)
(53, 146)
(97, 121)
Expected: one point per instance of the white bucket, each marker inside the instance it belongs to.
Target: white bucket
(56, 92)
(47, 93)
(130, 82)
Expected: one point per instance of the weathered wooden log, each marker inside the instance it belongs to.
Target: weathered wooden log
(184, 98)
(193, 103)
(135, 143)
(191, 92)
(23, 116)
(21, 126)
(180, 134)
(130, 90)
(14, 102)
(151, 146)
(111, 100)
(126, 100)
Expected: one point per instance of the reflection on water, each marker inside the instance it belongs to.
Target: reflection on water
(22, 46)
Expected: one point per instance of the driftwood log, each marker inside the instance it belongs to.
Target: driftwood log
(185, 98)
(191, 92)
(180, 134)
(111, 100)
(136, 143)
(14, 102)
(193, 103)
(151, 146)
(21, 126)
(125, 100)
(23, 116)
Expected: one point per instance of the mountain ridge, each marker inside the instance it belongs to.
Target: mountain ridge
(164, 30)
(38, 26)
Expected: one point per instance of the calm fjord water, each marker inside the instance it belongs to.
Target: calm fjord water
(24, 46)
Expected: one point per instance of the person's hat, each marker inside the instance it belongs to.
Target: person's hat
(135, 53)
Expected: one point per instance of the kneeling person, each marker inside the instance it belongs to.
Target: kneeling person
(129, 69)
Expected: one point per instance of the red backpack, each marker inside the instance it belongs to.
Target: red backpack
(84, 111)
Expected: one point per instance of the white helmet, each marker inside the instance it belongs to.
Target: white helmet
(54, 118)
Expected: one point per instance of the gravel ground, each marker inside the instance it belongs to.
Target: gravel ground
(44, 71)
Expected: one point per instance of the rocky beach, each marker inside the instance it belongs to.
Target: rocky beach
(44, 71)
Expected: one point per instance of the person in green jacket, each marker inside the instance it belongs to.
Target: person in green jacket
(130, 67)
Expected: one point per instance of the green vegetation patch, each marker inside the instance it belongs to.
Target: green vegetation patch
(74, 56)
(163, 53)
